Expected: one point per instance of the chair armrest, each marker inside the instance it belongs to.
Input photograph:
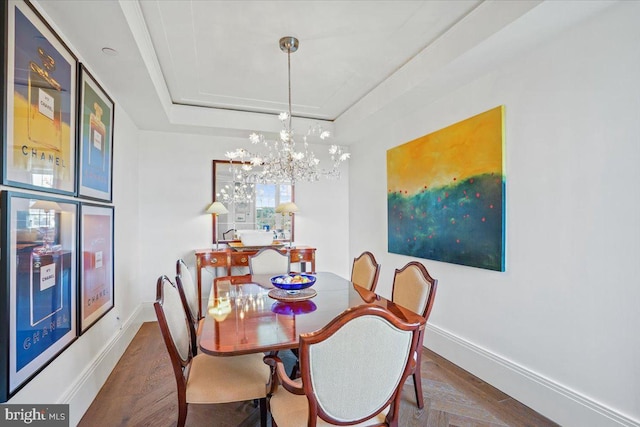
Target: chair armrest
(279, 376)
(366, 295)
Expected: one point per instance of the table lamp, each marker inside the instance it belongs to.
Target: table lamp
(216, 209)
(287, 208)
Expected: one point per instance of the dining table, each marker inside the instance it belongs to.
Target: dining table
(243, 318)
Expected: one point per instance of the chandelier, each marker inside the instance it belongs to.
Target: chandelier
(284, 160)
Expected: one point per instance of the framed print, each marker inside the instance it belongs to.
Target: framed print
(39, 304)
(39, 120)
(96, 139)
(96, 266)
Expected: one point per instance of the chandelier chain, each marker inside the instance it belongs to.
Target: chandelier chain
(289, 79)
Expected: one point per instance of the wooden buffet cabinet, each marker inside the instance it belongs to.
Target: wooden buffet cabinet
(226, 257)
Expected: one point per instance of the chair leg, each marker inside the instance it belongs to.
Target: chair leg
(417, 385)
(263, 412)
(417, 380)
(295, 370)
(182, 413)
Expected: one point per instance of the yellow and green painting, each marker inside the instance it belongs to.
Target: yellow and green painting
(446, 194)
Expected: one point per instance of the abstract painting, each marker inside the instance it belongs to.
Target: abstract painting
(446, 194)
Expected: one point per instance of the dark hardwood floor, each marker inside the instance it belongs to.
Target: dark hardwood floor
(141, 392)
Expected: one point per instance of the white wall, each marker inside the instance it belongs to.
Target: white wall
(557, 330)
(176, 188)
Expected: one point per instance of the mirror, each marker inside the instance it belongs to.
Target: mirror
(251, 206)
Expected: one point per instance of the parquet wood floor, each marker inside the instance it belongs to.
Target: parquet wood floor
(141, 392)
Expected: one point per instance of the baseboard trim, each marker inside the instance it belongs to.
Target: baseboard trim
(555, 401)
(81, 393)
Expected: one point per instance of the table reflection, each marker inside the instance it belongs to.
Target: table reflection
(293, 308)
(249, 297)
(220, 309)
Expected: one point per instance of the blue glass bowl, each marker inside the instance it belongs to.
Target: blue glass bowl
(278, 282)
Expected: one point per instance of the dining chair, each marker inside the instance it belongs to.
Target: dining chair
(269, 261)
(415, 289)
(205, 379)
(184, 280)
(195, 327)
(335, 387)
(365, 271)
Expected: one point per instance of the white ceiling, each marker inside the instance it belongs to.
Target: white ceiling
(226, 54)
(215, 66)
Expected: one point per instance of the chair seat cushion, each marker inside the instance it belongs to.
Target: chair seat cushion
(290, 409)
(236, 378)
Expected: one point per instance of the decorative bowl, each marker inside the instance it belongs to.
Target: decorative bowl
(293, 282)
(256, 237)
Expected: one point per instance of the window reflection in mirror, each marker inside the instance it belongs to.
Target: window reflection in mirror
(251, 206)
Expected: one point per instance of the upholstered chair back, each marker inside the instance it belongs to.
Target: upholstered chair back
(189, 288)
(371, 384)
(339, 387)
(269, 261)
(411, 288)
(170, 310)
(365, 271)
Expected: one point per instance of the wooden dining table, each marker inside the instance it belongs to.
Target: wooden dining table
(242, 318)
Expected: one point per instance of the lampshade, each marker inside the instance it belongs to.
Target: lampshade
(287, 208)
(217, 208)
